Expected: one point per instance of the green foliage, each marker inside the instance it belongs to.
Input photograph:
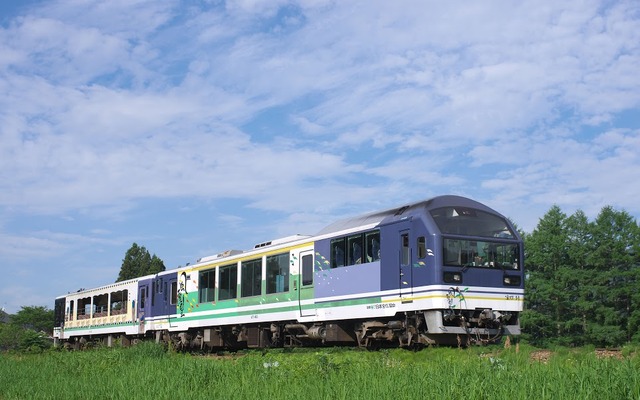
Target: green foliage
(139, 262)
(538, 328)
(37, 318)
(582, 279)
(10, 336)
(33, 342)
(16, 338)
(27, 330)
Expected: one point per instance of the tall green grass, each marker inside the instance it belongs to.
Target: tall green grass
(148, 372)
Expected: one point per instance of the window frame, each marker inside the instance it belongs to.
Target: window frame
(307, 269)
(337, 247)
(369, 245)
(474, 253)
(405, 249)
(228, 276)
(422, 247)
(251, 278)
(210, 276)
(282, 264)
(355, 249)
(173, 300)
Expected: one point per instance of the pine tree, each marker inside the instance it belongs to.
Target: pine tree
(138, 262)
(582, 279)
(615, 277)
(579, 248)
(156, 265)
(547, 264)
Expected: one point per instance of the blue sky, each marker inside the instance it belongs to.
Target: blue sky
(192, 127)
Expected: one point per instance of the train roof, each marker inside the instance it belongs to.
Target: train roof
(364, 221)
(396, 213)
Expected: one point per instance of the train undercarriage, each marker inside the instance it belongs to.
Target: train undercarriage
(412, 330)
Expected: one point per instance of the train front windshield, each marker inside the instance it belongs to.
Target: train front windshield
(494, 244)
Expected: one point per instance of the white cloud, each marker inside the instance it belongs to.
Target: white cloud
(575, 175)
(428, 86)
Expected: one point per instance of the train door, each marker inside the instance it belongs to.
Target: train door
(304, 283)
(163, 300)
(404, 262)
(144, 302)
(170, 294)
(396, 256)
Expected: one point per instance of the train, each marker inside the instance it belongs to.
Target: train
(443, 271)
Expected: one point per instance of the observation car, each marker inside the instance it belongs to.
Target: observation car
(448, 270)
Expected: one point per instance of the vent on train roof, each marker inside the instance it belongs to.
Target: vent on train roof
(401, 210)
(280, 241)
(226, 253)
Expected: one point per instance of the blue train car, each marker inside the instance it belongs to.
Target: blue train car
(157, 295)
(454, 261)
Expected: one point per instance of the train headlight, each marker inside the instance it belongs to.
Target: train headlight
(512, 280)
(452, 277)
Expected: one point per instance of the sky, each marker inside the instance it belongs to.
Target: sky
(192, 127)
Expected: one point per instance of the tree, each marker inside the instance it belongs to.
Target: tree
(27, 330)
(547, 266)
(37, 318)
(138, 262)
(582, 279)
(616, 264)
(10, 336)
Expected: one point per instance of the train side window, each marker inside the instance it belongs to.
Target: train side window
(422, 247)
(207, 285)
(84, 308)
(164, 292)
(101, 305)
(354, 249)
(174, 292)
(372, 241)
(337, 253)
(143, 296)
(278, 273)
(118, 302)
(307, 270)
(404, 238)
(251, 278)
(159, 282)
(228, 282)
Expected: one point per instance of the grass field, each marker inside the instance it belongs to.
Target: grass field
(148, 372)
